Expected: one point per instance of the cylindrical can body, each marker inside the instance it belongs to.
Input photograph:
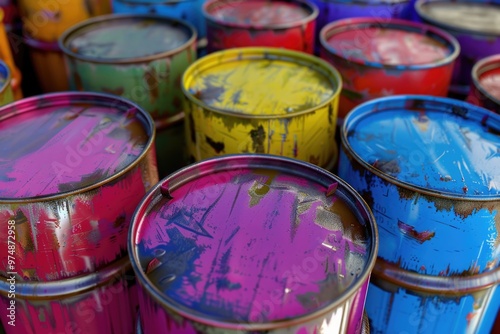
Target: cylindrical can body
(103, 302)
(383, 59)
(48, 63)
(252, 244)
(77, 166)
(474, 25)
(485, 88)
(6, 94)
(187, 10)
(262, 100)
(46, 20)
(288, 24)
(425, 166)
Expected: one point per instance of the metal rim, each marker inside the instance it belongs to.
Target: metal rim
(211, 5)
(481, 67)
(8, 76)
(419, 4)
(106, 20)
(261, 161)
(41, 45)
(32, 103)
(259, 53)
(355, 114)
(397, 24)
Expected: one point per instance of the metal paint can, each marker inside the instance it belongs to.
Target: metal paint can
(474, 24)
(383, 59)
(186, 10)
(262, 100)
(100, 302)
(485, 88)
(46, 20)
(428, 168)
(48, 63)
(75, 167)
(289, 24)
(6, 94)
(252, 244)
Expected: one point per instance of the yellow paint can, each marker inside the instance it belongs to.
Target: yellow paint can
(262, 100)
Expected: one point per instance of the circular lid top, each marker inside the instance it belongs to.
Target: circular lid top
(220, 240)
(60, 143)
(395, 43)
(115, 38)
(473, 16)
(260, 13)
(261, 81)
(486, 74)
(439, 145)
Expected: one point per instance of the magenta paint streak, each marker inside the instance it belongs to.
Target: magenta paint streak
(259, 247)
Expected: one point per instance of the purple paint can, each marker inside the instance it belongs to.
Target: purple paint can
(475, 24)
(252, 244)
(74, 168)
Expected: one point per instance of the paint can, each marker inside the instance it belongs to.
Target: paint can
(6, 52)
(262, 100)
(46, 20)
(485, 88)
(252, 244)
(6, 94)
(48, 63)
(383, 59)
(475, 26)
(428, 168)
(288, 24)
(75, 167)
(100, 302)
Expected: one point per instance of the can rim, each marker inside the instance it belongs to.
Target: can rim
(419, 4)
(31, 103)
(36, 290)
(227, 162)
(107, 20)
(309, 6)
(259, 53)
(481, 67)
(41, 45)
(377, 106)
(357, 24)
(8, 76)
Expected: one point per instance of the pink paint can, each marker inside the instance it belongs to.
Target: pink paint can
(74, 167)
(252, 244)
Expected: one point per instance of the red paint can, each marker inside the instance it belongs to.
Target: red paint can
(485, 88)
(288, 24)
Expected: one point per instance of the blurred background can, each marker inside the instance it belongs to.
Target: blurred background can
(485, 88)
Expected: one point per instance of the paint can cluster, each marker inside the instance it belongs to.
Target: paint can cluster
(248, 105)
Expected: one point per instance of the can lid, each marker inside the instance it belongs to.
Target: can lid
(261, 82)
(60, 143)
(469, 16)
(260, 14)
(440, 146)
(221, 240)
(117, 38)
(394, 43)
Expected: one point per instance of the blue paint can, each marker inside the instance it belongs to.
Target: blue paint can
(428, 168)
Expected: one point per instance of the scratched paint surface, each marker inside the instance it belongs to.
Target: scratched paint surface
(251, 245)
(440, 146)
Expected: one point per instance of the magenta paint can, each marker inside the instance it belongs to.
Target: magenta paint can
(485, 88)
(74, 167)
(252, 243)
(101, 302)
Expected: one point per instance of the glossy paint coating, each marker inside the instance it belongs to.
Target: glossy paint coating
(75, 167)
(236, 23)
(473, 23)
(485, 88)
(383, 59)
(6, 93)
(249, 242)
(262, 100)
(101, 302)
(186, 10)
(46, 20)
(139, 57)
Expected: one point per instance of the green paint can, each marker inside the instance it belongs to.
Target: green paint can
(141, 58)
